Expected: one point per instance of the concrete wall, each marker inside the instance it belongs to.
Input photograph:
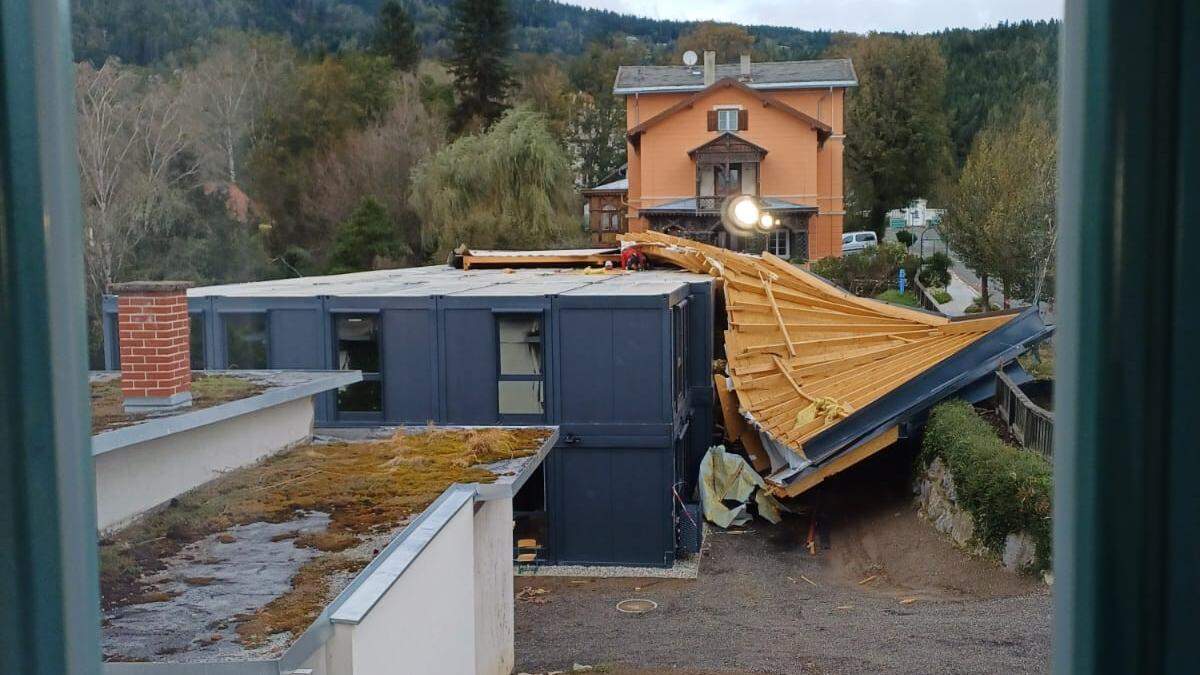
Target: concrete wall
(447, 611)
(134, 478)
(425, 623)
(494, 609)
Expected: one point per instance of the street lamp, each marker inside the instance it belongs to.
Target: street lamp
(743, 213)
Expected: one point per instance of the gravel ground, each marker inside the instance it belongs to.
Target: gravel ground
(763, 604)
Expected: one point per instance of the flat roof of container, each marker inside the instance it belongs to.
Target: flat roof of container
(446, 280)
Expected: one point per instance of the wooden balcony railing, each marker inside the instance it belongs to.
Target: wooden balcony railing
(1032, 424)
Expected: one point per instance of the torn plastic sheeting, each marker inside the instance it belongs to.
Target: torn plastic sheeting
(724, 478)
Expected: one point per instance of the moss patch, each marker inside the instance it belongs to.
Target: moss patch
(1005, 489)
(367, 488)
(108, 410)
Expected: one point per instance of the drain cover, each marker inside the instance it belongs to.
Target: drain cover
(636, 606)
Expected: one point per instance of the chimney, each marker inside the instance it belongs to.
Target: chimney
(710, 68)
(745, 72)
(154, 335)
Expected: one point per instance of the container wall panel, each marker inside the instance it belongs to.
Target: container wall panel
(613, 506)
(410, 352)
(469, 366)
(296, 339)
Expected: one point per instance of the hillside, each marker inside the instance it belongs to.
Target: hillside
(143, 32)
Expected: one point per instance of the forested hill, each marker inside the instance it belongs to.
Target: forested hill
(138, 31)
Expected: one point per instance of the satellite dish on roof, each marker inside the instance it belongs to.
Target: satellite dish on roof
(689, 58)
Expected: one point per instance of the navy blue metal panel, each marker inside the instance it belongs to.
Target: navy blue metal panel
(640, 347)
(611, 366)
(296, 339)
(612, 506)
(410, 358)
(469, 366)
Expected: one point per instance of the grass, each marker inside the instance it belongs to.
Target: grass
(1004, 488)
(977, 307)
(1039, 361)
(941, 296)
(108, 410)
(367, 488)
(893, 296)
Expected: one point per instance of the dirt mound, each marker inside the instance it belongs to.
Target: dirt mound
(877, 541)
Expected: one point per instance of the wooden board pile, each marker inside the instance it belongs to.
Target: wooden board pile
(802, 353)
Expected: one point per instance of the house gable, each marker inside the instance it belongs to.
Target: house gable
(823, 130)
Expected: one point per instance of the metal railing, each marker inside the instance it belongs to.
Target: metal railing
(1031, 424)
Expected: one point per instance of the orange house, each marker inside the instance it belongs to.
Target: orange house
(774, 130)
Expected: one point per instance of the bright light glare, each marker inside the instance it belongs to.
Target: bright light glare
(766, 222)
(745, 213)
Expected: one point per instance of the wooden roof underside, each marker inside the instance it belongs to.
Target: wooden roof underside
(803, 353)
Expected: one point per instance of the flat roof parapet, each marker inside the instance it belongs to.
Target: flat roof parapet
(149, 287)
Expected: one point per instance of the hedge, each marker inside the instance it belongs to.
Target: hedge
(1005, 489)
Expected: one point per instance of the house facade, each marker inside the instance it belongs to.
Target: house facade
(604, 209)
(698, 135)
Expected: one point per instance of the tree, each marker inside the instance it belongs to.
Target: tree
(225, 94)
(318, 106)
(1001, 216)
(508, 187)
(728, 40)
(896, 147)
(396, 38)
(377, 162)
(480, 37)
(367, 240)
(134, 159)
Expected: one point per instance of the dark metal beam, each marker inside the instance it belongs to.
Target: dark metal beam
(1127, 444)
(49, 612)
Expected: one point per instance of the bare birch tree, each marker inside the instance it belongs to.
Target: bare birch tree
(225, 94)
(132, 159)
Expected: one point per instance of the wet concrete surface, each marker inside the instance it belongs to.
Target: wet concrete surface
(228, 577)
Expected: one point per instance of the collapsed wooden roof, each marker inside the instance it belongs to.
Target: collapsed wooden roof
(803, 353)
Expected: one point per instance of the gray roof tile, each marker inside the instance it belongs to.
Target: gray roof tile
(771, 75)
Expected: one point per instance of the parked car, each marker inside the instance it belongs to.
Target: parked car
(853, 242)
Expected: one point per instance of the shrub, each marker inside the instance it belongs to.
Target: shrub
(1005, 489)
(977, 307)
(941, 296)
(869, 272)
(935, 270)
(907, 238)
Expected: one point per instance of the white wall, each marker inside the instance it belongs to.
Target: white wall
(494, 588)
(137, 477)
(425, 623)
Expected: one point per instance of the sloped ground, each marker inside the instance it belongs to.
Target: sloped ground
(927, 607)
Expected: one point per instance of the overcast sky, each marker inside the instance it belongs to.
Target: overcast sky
(913, 16)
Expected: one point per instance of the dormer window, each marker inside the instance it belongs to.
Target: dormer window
(727, 119)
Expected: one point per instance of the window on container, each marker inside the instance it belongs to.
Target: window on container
(520, 385)
(358, 349)
(246, 341)
(779, 243)
(727, 119)
(679, 321)
(196, 341)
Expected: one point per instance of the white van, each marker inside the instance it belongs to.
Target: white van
(853, 242)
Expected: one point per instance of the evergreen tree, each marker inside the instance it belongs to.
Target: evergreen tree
(368, 239)
(480, 37)
(396, 38)
(897, 141)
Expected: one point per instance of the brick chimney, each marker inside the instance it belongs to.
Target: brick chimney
(744, 75)
(710, 68)
(154, 334)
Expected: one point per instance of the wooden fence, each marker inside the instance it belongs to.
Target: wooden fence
(1032, 424)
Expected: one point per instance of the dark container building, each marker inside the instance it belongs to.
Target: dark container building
(621, 363)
